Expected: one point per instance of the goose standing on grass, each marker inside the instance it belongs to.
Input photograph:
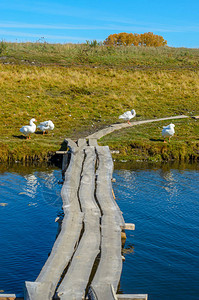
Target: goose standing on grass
(28, 129)
(128, 115)
(46, 126)
(168, 131)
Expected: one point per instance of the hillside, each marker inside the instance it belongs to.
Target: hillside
(83, 88)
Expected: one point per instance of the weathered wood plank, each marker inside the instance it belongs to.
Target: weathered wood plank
(66, 242)
(82, 143)
(38, 290)
(99, 134)
(129, 226)
(7, 296)
(70, 143)
(107, 292)
(92, 142)
(104, 177)
(110, 266)
(71, 182)
(62, 152)
(75, 281)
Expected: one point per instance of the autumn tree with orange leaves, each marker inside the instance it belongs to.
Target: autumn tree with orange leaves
(133, 39)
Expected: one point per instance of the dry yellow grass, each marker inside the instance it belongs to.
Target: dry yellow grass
(79, 100)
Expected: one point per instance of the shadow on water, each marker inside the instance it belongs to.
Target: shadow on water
(56, 159)
(27, 167)
(165, 166)
(24, 168)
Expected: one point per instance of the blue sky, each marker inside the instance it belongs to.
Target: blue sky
(59, 21)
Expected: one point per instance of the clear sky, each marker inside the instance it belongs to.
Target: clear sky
(67, 21)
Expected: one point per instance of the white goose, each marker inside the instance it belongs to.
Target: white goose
(46, 126)
(28, 129)
(128, 115)
(168, 131)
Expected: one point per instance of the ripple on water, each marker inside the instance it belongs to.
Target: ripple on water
(163, 253)
(27, 223)
(164, 206)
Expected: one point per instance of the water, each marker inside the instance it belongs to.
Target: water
(29, 204)
(161, 254)
(164, 254)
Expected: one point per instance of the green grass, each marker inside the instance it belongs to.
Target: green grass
(78, 54)
(83, 89)
(145, 142)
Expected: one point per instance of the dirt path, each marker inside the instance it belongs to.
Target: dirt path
(99, 134)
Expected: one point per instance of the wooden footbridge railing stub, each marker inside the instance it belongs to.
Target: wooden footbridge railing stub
(85, 261)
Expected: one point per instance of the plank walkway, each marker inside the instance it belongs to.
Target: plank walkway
(86, 260)
(99, 134)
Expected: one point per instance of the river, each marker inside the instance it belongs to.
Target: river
(161, 255)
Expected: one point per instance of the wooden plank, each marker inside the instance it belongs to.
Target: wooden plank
(70, 143)
(110, 266)
(109, 293)
(92, 142)
(82, 143)
(38, 290)
(7, 297)
(71, 182)
(104, 177)
(74, 284)
(132, 296)
(61, 152)
(195, 117)
(65, 244)
(129, 226)
(99, 134)
(76, 279)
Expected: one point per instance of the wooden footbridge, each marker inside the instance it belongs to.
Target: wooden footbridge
(86, 259)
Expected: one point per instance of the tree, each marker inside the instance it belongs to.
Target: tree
(129, 39)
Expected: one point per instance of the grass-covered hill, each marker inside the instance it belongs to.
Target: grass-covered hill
(83, 88)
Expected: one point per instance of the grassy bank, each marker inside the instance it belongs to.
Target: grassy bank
(145, 143)
(82, 93)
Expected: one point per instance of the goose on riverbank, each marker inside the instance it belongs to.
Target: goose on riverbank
(128, 115)
(46, 126)
(168, 131)
(28, 129)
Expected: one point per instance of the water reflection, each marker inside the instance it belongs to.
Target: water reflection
(27, 222)
(162, 253)
(170, 183)
(30, 188)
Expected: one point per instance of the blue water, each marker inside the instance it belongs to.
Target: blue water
(162, 254)
(164, 206)
(27, 225)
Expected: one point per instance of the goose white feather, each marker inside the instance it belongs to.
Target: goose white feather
(168, 131)
(46, 126)
(28, 129)
(128, 115)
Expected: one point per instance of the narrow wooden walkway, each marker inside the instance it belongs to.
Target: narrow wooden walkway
(85, 261)
(99, 134)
